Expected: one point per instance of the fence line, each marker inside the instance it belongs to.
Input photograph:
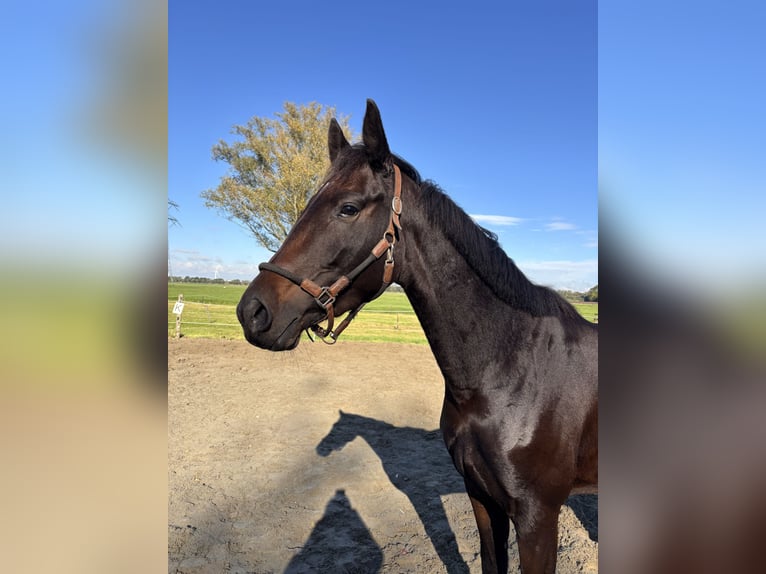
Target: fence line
(215, 324)
(404, 330)
(211, 318)
(367, 311)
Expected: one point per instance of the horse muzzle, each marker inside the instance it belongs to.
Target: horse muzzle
(257, 321)
(255, 318)
(273, 326)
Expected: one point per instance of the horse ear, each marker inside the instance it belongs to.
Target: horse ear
(373, 136)
(336, 141)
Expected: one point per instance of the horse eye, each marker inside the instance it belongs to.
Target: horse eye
(348, 210)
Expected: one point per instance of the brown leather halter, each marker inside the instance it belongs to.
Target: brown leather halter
(325, 296)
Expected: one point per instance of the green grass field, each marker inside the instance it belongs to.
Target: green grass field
(209, 311)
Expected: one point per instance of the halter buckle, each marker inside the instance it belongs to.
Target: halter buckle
(325, 298)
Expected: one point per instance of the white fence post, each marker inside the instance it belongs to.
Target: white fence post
(178, 308)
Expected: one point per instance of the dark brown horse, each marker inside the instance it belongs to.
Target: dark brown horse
(520, 365)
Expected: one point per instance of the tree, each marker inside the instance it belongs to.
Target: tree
(592, 294)
(275, 167)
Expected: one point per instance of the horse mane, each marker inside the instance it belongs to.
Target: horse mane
(481, 250)
(477, 245)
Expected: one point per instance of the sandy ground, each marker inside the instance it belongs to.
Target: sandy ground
(324, 459)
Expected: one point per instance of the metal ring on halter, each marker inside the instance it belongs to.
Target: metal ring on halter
(396, 205)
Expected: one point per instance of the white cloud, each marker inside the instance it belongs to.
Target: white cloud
(501, 220)
(195, 264)
(560, 225)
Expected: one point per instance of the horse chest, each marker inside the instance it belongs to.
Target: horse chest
(478, 444)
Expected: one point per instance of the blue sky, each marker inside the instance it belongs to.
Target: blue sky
(496, 103)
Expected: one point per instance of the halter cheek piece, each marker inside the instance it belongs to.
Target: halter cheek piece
(325, 296)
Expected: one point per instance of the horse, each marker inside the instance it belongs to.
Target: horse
(424, 483)
(520, 408)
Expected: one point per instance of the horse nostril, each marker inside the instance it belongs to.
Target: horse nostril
(261, 318)
(254, 316)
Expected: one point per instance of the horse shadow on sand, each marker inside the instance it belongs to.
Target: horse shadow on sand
(418, 464)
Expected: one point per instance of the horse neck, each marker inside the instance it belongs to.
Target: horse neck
(464, 321)
(370, 430)
(360, 426)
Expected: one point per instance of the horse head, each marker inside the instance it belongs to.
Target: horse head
(336, 257)
(345, 429)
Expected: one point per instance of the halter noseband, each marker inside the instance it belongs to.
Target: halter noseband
(325, 296)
